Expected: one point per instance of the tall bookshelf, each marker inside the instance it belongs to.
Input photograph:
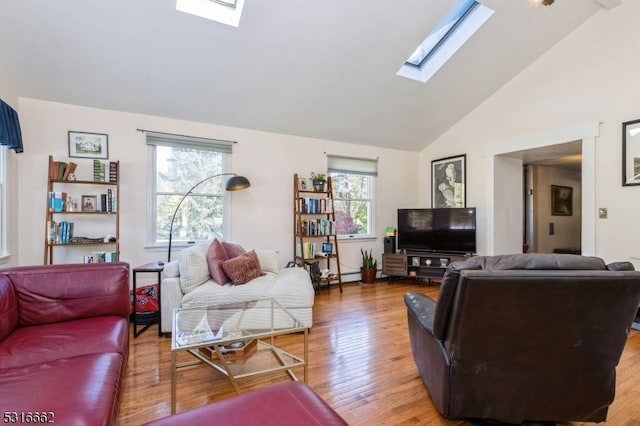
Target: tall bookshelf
(314, 229)
(83, 215)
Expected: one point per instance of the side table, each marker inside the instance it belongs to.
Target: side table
(154, 317)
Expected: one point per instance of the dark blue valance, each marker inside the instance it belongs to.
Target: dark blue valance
(10, 134)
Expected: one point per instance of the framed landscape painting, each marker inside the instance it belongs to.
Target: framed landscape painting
(448, 179)
(88, 145)
(561, 200)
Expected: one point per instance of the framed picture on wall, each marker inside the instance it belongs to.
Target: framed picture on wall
(88, 145)
(561, 200)
(631, 153)
(448, 179)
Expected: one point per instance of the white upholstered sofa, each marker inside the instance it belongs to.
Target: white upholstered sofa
(188, 282)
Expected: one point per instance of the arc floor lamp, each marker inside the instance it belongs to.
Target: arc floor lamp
(235, 183)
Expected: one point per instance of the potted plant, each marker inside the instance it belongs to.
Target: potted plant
(318, 180)
(369, 267)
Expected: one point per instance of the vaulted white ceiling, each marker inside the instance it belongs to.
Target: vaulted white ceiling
(316, 68)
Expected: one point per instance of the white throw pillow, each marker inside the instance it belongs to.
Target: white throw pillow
(171, 269)
(194, 269)
(268, 260)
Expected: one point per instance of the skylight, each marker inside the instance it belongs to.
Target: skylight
(453, 30)
(224, 11)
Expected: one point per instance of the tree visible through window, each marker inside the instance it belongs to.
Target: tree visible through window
(352, 195)
(352, 180)
(177, 168)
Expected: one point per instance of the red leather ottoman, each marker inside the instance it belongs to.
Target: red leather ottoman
(289, 403)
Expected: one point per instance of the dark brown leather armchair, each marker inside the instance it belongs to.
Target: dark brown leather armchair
(529, 337)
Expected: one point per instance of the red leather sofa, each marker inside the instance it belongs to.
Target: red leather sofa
(283, 404)
(64, 342)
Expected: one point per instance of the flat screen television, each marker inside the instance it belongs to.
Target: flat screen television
(443, 230)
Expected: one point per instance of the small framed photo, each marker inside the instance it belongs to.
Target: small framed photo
(561, 200)
(304, 184)
(448, 182)
(88, 145)
(89, 203)
(631, 153)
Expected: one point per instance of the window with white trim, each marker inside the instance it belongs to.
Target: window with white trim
(178, 164)
(3, 204)
(353, 182)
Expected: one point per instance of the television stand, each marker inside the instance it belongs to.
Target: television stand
(418, 264)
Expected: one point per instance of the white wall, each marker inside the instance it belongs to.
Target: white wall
(261, 216)
(590, 76)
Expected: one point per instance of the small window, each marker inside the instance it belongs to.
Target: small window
(352, 182)
(179, 164)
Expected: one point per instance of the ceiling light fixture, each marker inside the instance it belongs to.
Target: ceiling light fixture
(545, 2)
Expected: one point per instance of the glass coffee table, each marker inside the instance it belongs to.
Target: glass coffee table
(238, 340)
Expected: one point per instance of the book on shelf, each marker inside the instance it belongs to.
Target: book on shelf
(307, 250)
(52, 170)
(105, 172)
(315, 205)
(59, 232)
(318, 227)
(87, 240)
(107, 201)
(60, 170)
(62, 167)
(100, 257)
(56, 170)
(57, 201)
(98, 171)
(113, 171)
(70, 169)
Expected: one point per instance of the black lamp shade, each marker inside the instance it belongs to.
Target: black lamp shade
(236, 183)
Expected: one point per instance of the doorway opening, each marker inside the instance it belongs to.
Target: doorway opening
(506, 209)
(552, 199)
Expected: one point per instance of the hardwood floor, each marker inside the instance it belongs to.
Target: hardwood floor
(360, 363)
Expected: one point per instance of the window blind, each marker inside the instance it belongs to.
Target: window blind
(361, 166)
(168, 139)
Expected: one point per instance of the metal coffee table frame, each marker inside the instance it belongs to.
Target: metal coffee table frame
(234, 314)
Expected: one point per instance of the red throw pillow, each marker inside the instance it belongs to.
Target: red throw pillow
(233, 250)
(243, 268)
(146, 299)
(216, 254)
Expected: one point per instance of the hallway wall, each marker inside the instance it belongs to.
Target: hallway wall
(567, 229)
